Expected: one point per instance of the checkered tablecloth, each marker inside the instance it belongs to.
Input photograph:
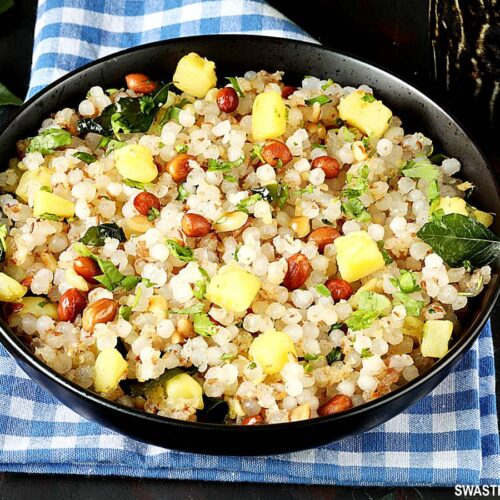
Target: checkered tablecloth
(449, 437)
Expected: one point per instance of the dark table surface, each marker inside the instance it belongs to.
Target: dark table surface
(394, 34)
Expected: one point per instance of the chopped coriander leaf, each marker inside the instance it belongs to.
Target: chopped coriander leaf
(236, 252)
(316, 145)
(413, 307)
(387, 258)
(203, 325)
(310, 357)
(327, 84)
(85, 157)
(134, 184)
(49, 140)
(334, 355)
(420, 168)
(407, 282)
(200, 289)
(247, 202)
(43, 303)
(181, 148)
(257, 153)
(433, 191)
(321, 99)
(355, 209)
(368, 98)
(373, 302)
(307, 190)
(236, 86)
(125, 312)
(359, 320)
(252, 365)
(197, 308)
(335, 326)
(347, 134)
(182, 194)
(47, 216)
(365, 353)
(322, 290)
(308, 368)
(230, 178)
(111, 91)
(184, 254)
(366, 142)
(223, 166)
(228, 356)
(153, 213)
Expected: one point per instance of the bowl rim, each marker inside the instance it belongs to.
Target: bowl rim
(22, 351)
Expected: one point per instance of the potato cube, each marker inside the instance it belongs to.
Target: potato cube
(454, 205)
(184, 389)
(50, 203)
(366, 113)
(32, 181)
(110, 368)
(38, 306)
(233, 288)
(268, 116)
(195, 75)
(357, 256)
(484, 218)
(10, 289)
(435, 338)
(413, 327)
(135, 162)
(270, 351)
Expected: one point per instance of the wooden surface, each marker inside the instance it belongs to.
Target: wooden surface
(395, 34)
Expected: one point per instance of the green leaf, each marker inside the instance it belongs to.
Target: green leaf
(111, 278)
(387, 258)
(82, 250)
(413, 307)
(223, 166)
(247, 202)
(365, 353)
(153, 213)
(214, 411)
(321, 99)
(3, 242)
(327, 84)
(203, 325)
(368, 98)
(437, 159)
(359, 320)
(53, 217)
(135, 184)
(85, 157)
(7, 98)
(96, 235)
(230, 178)
(129, 115)
(310, 357)
(407, 282)
(236, 85)
(347, 134)
(457, 238)
(182, 194)
(355, 209)
(181, 148)
(6, 5)
(322, 290)
(49, 140)
(433, 191)
(197, 308)
(421, 168)
(309, 189)
(257, 153)
(130, 282)
(228, 356)
(273, 193)
(317, 145)
(373, 302)
(334, 355)
(184, 254)
(125, 312)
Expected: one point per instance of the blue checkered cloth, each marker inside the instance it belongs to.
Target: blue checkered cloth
(449, 437)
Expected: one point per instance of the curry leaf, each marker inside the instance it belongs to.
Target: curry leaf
(96, 235)
(457, 238)
(7, 98)
(85, 157)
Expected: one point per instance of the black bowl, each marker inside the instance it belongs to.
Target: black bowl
(234, 55)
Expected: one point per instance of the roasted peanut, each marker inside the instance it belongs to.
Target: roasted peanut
(339, 289)
(276, 153)
(252, 420)
(227, 99)
(328, 164)
(338, 403)
(140, 83)
(145, 202)
(100, 311)
(299, 269)
(287, 91)
(195, 225)
(71, 304)
(323, 236)
(178, 167)
(87, 268)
